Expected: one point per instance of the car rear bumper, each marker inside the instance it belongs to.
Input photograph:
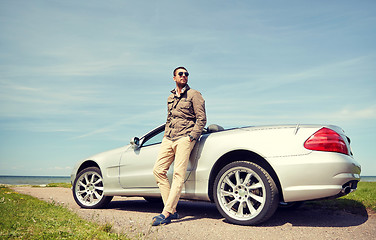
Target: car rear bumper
(316, 175)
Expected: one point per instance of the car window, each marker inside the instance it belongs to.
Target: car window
(154, 140)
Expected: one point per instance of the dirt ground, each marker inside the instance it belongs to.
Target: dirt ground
(201, 220)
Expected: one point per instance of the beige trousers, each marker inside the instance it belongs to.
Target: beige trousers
(178, 152)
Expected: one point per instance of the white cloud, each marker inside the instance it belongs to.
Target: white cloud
(149, 119)
(354, 113)
(61, 168)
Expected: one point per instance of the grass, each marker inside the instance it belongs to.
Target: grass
(366, 194)
(361, 201)
(25, 217)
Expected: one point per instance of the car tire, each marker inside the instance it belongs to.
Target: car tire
(245, 194)
(88, 191)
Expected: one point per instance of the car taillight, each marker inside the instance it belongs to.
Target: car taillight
(326, 140)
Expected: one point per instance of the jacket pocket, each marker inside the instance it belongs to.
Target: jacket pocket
(186, 108)
(170, 105)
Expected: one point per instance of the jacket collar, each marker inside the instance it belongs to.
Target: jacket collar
(186, 88)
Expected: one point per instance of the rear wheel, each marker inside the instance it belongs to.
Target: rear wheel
(245, 193)
(88, 189)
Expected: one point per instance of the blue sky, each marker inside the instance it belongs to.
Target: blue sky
(82, 77)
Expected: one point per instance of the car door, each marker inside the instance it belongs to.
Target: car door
(136, 164)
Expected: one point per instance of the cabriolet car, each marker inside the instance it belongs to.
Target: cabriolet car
(247, 172)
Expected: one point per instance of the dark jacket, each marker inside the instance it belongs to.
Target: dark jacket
(186, 114)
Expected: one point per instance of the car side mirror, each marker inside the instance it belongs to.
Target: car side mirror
(135, 142)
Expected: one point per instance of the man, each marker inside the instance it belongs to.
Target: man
(186, 119)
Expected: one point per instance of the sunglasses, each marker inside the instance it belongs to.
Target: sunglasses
(185, 73)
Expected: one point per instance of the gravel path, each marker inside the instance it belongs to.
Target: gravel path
(200, 220)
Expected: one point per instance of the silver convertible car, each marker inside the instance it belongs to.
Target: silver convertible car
(247, 172)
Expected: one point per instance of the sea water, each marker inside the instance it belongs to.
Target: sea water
(33, 180)
(368, 178)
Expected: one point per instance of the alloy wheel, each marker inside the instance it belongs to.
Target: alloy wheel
(245, 193)
(241, 193)
(89, 188)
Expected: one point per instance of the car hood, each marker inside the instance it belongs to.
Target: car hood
(103, 156)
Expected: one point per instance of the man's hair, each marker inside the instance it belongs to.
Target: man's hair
(174, 72)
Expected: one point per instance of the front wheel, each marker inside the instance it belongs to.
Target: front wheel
(88, 189)
(245, 193)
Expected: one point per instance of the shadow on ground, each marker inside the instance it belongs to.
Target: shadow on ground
(307, 215)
